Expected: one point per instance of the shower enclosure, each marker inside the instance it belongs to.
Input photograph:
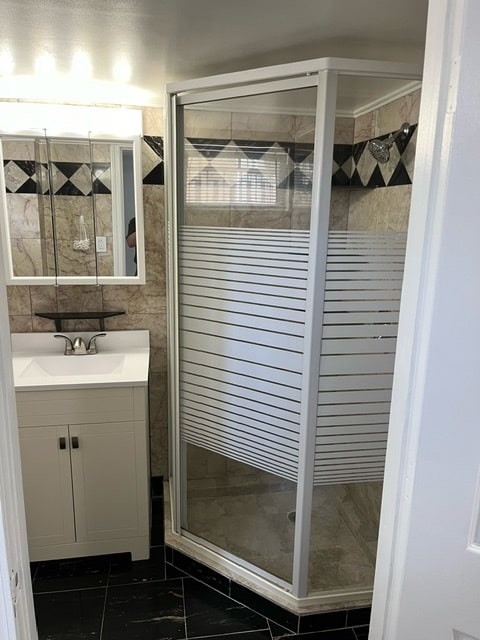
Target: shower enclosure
(285, 270)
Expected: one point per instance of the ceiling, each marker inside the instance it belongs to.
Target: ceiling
(124, 51)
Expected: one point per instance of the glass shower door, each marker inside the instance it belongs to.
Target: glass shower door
(243, 245)
(284, 303)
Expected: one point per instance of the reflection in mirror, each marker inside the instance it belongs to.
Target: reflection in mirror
(70, 205)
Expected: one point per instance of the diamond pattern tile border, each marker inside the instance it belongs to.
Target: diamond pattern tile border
(349, 166)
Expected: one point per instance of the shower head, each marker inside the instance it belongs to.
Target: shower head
(380, 149)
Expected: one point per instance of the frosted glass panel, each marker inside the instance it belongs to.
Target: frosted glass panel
(244, 242)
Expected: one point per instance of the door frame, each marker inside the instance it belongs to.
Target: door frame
(16, 621)
(422, 284)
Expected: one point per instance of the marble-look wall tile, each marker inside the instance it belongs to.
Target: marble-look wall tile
(153, 322)
(203, 217)
(103, 215)
(263, 126)
(134, 299)
(199, 123)
(304, 129)
(49, 265)
(27, 257)
(344, 130)
(380, 209)
(395, 216)
(100, 153)
(300, 218)
(21, 324)
(104, 265)
(81, 325)
(360, 509)
(19, 303)
(74, 263)
(339, 209)
(69, 152)
(365, 127)
(67, 229)
(153, 121)
(362, 215)
(79, 298)
(156, 270)
(23, 215)
(256, 218)
(154, 217)
(18, 149)
(43, 298)
(391, 116)
(388, 118)
(40, 325)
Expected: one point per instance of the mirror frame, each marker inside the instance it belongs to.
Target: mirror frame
(96, 124)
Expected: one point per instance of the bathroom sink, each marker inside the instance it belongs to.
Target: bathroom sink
(98, 364)
(122, 360)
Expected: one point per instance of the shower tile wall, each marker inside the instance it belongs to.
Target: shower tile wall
(385, 209)
(285, 133)
(144, 306)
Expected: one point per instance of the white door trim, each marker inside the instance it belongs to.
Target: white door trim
(14, 559)
(420, 287)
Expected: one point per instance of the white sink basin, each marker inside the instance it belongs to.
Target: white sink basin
(39, 363)
(98, 364)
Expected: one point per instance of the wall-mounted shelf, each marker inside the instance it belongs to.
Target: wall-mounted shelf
(79, 315)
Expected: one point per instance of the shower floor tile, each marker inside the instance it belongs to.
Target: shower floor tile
(240, 524)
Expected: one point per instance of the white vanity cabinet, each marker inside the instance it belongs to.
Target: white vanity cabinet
(85, 471)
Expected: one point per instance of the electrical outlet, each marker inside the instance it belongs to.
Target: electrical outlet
(101, 244)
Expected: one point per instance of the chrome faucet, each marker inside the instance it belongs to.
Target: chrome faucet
(77, 347)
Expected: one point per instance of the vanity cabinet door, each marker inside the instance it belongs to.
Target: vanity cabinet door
(108, 480)
(47, 485)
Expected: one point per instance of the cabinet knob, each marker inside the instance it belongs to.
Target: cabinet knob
(62, 443)
(74, 442)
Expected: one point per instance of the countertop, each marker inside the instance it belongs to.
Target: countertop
(39, 362)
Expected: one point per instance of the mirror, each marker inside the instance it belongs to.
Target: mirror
(72, 209)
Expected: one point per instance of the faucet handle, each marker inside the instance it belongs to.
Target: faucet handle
(92, 343)
(68, 343)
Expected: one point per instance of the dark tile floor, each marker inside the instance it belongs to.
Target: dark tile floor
(111, 598)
